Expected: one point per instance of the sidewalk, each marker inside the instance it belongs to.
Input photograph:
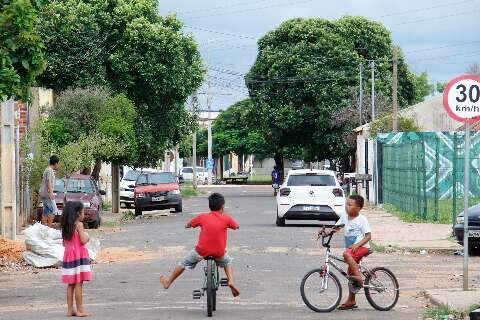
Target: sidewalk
(390, 231)
(455, 299)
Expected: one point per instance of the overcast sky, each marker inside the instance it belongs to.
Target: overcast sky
(440, 37)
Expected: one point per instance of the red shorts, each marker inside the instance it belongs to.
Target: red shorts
(357, 255)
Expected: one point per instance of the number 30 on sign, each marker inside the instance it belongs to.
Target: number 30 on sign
(461, 98)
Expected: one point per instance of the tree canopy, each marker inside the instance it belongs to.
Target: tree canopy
(305, 72)
(128, 47)
(21, 56)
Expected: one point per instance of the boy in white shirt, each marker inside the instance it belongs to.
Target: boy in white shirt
(357, 235)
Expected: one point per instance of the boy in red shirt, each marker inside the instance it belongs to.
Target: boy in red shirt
(212, 242)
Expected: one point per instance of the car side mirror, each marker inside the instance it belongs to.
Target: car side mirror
(102, 192)
(132, 186)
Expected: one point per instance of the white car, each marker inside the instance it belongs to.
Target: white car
(187, 174)
(310, 195)
(128, 180)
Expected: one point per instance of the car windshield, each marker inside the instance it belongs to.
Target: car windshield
(79, 186)
(156, 178)
(298, 180)
(200, 169)
(187, 170)
(59, 186)
(131, 175)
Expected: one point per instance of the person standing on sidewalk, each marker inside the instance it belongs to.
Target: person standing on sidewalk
(46, 192)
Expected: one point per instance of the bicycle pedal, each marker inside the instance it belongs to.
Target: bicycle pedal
(224, 282)
(197, 294)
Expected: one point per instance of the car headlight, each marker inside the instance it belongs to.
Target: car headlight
(460, 219)
(87, 204)
(141, 195)
(123, 189)
(176, 191)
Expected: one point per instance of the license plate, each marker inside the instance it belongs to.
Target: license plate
(158, 199)
(311, 208)
(473, 234)
(59, 212)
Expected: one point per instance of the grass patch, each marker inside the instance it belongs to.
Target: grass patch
(375, 247)
(402, 215)
(259, 179)
(128, 215)
(106, 206)
(188, 192)
(447, 313)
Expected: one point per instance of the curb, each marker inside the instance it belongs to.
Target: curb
(433, 300)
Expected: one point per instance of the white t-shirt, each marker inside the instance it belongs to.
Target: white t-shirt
(356, 228)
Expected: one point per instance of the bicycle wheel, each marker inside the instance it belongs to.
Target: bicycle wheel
(321, 292)
(381, 289)
(215, 288)
(210, 289)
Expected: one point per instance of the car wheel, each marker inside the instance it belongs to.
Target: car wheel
(474, 250)
(179, 207)
(95, 224)
(138, 211)
(280, 221)
(128, 205)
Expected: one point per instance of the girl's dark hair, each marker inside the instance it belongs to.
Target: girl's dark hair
(71, 211)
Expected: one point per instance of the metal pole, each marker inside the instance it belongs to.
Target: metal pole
(194, 159)
(465, 206)
(360, 103)
(373, 90)
(375, 148)
(209, 100)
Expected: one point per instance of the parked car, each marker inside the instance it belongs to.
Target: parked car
(59, 193)
(298, 165)
(126, 192)
(473, 229)
(157, 191)
(187, 174)
(81, 188)
(310, 195)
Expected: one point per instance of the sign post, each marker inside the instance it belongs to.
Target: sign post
(461, 100)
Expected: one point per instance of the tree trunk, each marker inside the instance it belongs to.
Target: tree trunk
(96, 170)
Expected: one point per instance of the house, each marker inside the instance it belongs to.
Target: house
(429, 115)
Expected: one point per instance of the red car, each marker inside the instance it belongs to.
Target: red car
(157, 191)
(81, 188)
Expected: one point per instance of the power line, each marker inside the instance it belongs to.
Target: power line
(459, 44)
(242, 3)
(251, 9)
(437, 18)
(423, 9)
(222, 33)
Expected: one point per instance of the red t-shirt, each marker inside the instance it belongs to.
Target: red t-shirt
(213, 236)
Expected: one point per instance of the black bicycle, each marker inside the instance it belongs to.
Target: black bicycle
(210, 285)
(321, 290)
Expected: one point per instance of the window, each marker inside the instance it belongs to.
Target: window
(311, 180)
(200, 169)
(142, 179)
(132, 175)
(80, 186)
(159, 178)
(187, 170)
(59, 186)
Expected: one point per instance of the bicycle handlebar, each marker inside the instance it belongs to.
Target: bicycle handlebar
(328, 235)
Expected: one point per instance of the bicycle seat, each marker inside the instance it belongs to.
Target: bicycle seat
(209, 258)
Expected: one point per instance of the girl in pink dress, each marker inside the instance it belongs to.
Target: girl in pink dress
(76, 263)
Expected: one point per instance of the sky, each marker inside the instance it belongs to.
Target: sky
(441, 37)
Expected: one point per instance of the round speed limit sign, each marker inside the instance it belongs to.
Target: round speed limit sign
(461, 98)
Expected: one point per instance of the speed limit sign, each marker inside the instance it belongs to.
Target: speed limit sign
(461, 98)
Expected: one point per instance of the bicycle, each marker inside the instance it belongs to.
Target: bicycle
(210, 285)
(328, 283)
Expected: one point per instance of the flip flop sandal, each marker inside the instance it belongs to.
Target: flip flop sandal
(347, 307)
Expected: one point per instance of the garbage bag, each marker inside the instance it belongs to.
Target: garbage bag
(45, 246)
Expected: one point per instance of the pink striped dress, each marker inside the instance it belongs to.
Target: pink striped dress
(76, 262)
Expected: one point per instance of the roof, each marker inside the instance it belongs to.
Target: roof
(305, 171)
(80, 176)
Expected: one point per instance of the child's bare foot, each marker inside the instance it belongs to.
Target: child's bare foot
(165, 282)
(82, 314)
(235, 291)
(71, 313)
(357, 279)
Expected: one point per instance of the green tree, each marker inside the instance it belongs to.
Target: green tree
(384, 124)
(441, 86)
(127, 46)
(21, 56)
(422, 87)
(304, 74)
(94, 124)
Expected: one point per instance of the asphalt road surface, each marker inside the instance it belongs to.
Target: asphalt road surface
(269, 265)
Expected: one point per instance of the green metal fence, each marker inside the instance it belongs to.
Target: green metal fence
(422, 173)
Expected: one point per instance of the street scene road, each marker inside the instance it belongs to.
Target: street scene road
(269, 264)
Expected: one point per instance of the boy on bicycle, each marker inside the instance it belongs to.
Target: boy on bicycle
(212, 242)
(357, 236)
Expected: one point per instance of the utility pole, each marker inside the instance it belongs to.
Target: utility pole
(360, 103)
(209, 122)
(394, 89)
(194, 144)
(373, 89)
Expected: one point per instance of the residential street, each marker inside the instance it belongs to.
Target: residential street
(269, 265)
